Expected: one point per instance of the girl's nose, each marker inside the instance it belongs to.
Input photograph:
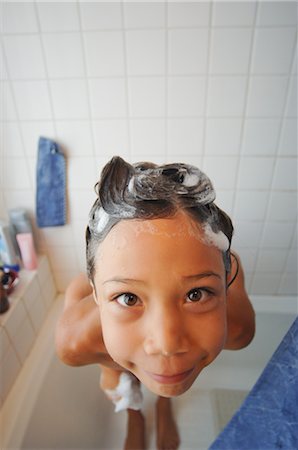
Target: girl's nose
(166, 334)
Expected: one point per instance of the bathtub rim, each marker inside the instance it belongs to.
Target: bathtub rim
(25, 390)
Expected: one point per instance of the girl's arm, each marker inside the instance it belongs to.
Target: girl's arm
(240, 313)
(78, 331)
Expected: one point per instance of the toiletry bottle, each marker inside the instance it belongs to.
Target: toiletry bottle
(19, 222)
(28, 254)
(7, 253)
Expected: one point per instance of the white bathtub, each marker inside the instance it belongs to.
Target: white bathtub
(52, 406)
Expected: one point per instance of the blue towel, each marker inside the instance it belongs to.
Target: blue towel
(50, 185)
(268, 418)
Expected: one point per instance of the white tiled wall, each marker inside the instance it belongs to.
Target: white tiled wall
(210, 83)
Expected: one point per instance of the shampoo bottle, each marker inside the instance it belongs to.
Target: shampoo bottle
(28, 254)
(7, 253)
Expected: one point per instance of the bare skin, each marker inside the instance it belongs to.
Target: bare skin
(79, 335)
(80, 318)
(166, 428)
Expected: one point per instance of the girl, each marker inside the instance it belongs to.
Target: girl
(163, 294)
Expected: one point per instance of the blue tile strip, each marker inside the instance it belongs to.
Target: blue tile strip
(50, 185)
(268, 418)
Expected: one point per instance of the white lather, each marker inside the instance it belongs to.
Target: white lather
(127, 395)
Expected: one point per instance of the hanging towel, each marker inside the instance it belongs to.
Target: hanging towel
(50, 185)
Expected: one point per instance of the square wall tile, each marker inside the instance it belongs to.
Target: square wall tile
(273, 50)
(248, 258)
(260, 136)
(80, 202)
(9, 369)
(255, 173)
(111, 137)
(32, 130)
(24, 56)
(185, 136)
(58, 16)
(81, 172)
(70, 99)
(222, 170)
(277, 234)
(188, 14)
(44, 271)
(288, 141)
(288, 284)
(247, 234)
(62, 259)
(108, 98)
(64, 55)
(292, 262)
(291, 107)
(48, 292)
(265, 283)
(75, 137)
(230, 50)
(63, 278)
(233, 13)
(32, 100)
(19, 17)
(188, 51)
(8, 104)
(35, 306)
(24, 339)
(17, 167)
(271, 260)
(11, 142)
(223, 136)
(285, 175)
(104, 53)
(15, 318)
(225, 200)
(283, 206)
(61, 236)
(266, 96)
(226, 96)
(3, 69)
(146, 96)
(186, 96)
(100, 15)
(79, 229)
(145, 52)
(277, 13)
(148, 137)
(250, 205)
(4, 342)
(144, 14)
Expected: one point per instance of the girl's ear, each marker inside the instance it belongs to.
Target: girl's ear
(94, 293)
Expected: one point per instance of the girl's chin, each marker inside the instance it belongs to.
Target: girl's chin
(168, 387)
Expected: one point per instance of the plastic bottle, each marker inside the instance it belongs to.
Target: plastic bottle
(28, 254)
(19, 223)
(7, 252)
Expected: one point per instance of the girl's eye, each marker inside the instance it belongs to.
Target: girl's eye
(196, 295)
(127, 299)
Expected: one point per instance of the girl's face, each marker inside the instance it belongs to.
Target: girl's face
(162, 298)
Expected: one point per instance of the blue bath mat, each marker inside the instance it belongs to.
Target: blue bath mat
(50, 185)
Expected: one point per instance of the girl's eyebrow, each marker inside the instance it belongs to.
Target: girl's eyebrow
(122, 280)
(198, 276)
(195, 276)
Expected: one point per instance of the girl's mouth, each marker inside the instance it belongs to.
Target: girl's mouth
(170, 379)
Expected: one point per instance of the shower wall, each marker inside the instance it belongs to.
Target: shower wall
(209, 83)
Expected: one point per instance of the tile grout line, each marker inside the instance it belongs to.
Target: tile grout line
(277, 153)
(243, 119)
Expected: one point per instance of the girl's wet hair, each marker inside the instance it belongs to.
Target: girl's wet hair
(148, 191)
